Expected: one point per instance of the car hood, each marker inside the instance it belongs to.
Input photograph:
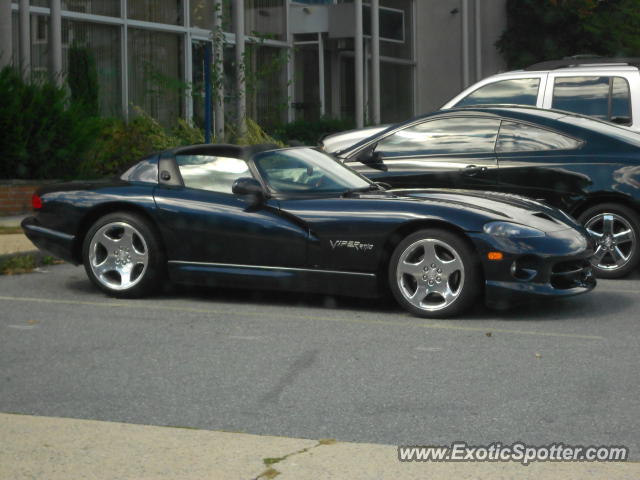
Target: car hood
(500, 206)
(339, 141)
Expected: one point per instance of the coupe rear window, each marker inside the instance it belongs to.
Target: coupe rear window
(519, 137)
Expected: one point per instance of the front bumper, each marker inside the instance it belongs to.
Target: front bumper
(57, 243)
(556, 265)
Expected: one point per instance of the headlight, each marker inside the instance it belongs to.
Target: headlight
(514, 230)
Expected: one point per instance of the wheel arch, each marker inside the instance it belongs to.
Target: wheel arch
(105, 209)
(395, 237)
(604, 197)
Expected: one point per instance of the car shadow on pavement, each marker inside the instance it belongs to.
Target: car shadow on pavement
(607, 301)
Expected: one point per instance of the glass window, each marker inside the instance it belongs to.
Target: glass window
(399, 80)
(95, 7)
(585, 95)
(517, 91)
(202, 13)
(207, 172)
(265, 18)
(305, 170)
(167, 11)
(445, 136)
(518, 137)
(620, 102)
(155, 74)
(94, 48)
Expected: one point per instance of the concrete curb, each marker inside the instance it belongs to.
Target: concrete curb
(60, 448)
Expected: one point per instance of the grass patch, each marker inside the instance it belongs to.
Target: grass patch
(10, 230)
(271, 461)
(25, 263)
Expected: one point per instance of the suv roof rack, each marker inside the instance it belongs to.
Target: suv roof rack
(582, 61)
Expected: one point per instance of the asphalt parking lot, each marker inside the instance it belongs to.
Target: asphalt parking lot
(318, 367)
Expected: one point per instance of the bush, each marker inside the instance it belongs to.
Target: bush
(310, 132)
(43, 135)
(120, 144)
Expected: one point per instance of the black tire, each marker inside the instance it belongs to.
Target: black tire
(465, 283)
(624, 217)
(101, 245)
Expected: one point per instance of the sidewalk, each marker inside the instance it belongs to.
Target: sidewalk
(61, 449)
(11, 243)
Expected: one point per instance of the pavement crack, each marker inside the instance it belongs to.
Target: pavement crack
(271, 472)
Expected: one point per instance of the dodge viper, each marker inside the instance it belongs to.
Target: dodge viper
(297, 219)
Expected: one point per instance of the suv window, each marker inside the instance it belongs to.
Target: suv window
(606, 98)
(519, 137)
(207, 172)
(451, 135)
(518, 91)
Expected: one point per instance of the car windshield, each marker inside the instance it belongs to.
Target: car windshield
(306, 170)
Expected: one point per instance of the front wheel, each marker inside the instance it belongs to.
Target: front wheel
(616, 230)
(122, 255)
(434, 273)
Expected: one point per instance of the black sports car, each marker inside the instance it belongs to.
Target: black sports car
(297, 219)
(581, 165)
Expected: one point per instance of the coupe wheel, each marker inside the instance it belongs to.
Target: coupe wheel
(122, 256)
(616, 230)
(434, 273)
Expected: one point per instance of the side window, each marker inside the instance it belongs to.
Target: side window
(518, 137)
(606, 98)
(518, 91)
(620, 102)
(451, 135)
(207, 172)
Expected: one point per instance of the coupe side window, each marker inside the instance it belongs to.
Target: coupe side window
(518, 91)
(606, 98)
(207, 172)
(451, 135)
(518, 137)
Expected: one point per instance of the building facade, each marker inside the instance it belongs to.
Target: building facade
(299, 59)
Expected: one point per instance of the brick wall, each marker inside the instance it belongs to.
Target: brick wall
(15, 197)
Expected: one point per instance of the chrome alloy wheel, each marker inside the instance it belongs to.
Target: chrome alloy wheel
(118, 256)
(430, 274)
(615, 240)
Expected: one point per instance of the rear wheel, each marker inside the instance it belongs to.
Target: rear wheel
(434, 273)
(122, 256)
(616, 231)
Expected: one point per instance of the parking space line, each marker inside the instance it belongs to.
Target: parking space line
(431, 324)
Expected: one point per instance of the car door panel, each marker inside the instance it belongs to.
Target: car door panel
(206, 226)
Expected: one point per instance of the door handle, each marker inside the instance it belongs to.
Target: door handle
(472, 170)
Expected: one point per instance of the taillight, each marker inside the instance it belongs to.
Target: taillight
(36, 201)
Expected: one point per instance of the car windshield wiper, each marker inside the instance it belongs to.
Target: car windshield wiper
(369, 188)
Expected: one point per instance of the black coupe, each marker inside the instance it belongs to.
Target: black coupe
(588, 168)
(297, 219)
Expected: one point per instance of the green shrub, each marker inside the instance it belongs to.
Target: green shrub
(42, 134)
(310, 132)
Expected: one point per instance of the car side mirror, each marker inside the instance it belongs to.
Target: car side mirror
(250, 188)
(371, 158)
